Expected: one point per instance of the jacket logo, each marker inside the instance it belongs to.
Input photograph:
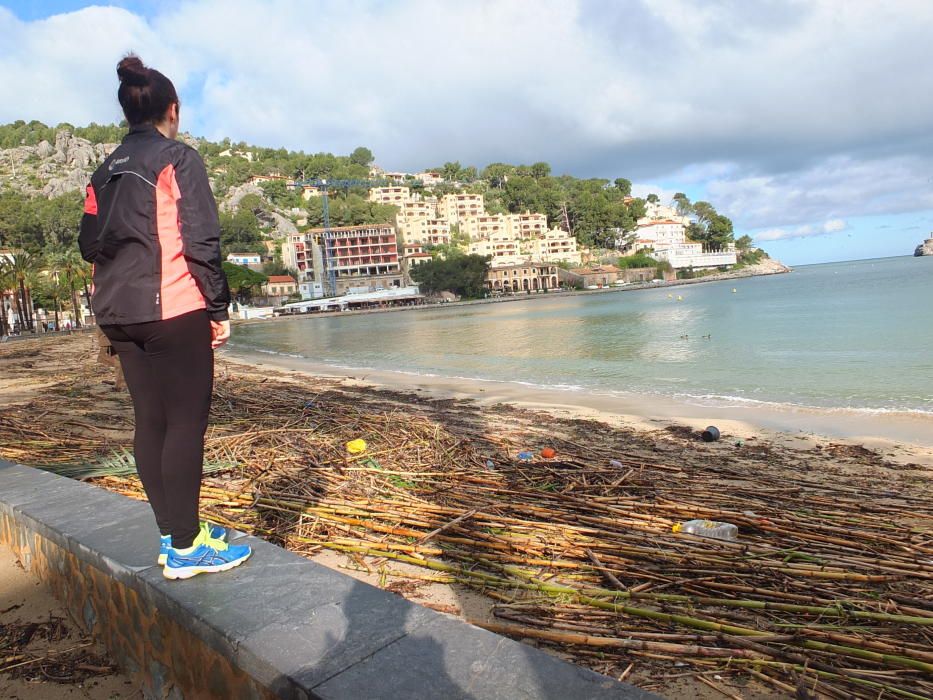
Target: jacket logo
(118, 161)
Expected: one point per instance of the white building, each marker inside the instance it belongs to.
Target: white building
(246, 259)
(660, 234)
(681, 255)
(655, 211)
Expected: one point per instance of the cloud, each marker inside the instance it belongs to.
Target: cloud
(805, 231)
(840, 186)
(787, 112)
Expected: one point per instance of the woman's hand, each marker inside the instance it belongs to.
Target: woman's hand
(220, 333)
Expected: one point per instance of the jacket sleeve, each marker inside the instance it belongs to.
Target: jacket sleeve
(88, 237)
(200, 232)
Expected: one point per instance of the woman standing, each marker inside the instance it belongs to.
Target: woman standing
(150, 228)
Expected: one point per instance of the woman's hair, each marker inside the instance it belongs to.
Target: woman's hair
(145, 94)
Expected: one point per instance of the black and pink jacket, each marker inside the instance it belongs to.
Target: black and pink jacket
(150, 228)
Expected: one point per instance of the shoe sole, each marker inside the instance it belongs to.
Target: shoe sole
(190, 571)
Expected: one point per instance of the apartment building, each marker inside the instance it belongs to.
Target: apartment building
(360, 257)
(501, 249)
(527, 225)
(660, 234)
(417, 218)
(418, 209)
(455, 207)
(425, 231)
(523, 277)
(390, 195)
(487, 226)
(553, 246)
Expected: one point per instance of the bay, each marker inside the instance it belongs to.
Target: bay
(855, 335)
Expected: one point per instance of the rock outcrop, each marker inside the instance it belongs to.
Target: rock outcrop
(235, 195)
(925, 248)
(281, 226)
(52, 169)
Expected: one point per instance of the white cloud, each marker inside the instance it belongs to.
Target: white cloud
(833, 188)
(805, 231)
(787, 112)
(643, 190)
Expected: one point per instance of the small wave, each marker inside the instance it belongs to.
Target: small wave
(265, 351)
(729, 399)
(710, 400)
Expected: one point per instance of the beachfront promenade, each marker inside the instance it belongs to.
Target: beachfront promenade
(278, 627)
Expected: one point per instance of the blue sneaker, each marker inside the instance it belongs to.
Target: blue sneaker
(165, 541)
(205, 556)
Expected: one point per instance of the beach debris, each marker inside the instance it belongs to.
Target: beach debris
(711, 434)
(830, 584)
(548, 453)
(740, 442)
(526, 456)
(490, 464)
(355, 447)
(712, 529)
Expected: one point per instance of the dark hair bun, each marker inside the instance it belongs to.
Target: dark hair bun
(131, 71)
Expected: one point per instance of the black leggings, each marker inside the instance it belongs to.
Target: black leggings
(169, 370)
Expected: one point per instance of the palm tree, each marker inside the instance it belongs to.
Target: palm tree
(6, 283)
(68, 264)
(24, 268)
(56, 292)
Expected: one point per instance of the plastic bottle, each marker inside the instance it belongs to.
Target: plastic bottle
(709, 528)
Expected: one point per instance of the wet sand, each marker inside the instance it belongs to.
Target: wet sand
(901, 437)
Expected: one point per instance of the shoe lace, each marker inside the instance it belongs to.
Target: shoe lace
(211, 542)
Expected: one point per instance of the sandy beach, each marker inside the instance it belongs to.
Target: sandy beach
(442, 495)
(901, 437)
(44, 655)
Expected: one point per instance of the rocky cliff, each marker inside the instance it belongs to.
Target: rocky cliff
(51, 169)
(925, 248)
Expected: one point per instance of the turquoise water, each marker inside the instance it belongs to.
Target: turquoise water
(855, 335)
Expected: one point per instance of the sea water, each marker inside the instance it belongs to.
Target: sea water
(853, 335)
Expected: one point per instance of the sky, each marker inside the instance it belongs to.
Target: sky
(808, 122)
